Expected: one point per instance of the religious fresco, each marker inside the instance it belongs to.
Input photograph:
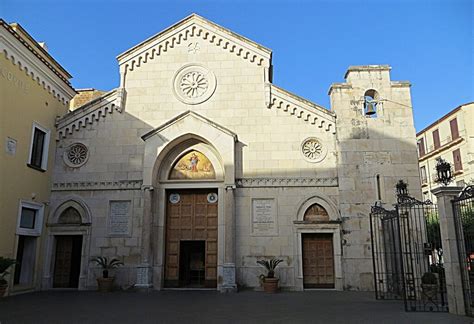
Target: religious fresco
(193, 165)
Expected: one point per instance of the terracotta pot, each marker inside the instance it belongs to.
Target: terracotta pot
(3, 290)
(270, 285)
(430, 291)
(105, 284)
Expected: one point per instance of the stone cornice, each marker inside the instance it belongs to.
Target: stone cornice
(286, 182)
(91, 112)
(33, 65)
(187, 114)
(194, 26)
(300, 108)
(97, 185)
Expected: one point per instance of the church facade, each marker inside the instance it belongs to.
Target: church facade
(197, 166)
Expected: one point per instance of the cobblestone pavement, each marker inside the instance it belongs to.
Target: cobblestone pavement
(210, 307)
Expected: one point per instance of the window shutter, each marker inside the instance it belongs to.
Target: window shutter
(454, 129)
(457, 160)
(436, 140)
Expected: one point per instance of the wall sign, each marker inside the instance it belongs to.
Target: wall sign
(264, 217)
(119, 218)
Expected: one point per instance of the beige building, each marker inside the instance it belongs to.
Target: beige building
(452, 138)
(34, 91)
(197, 165)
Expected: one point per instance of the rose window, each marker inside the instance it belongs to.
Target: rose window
(313, 150)
(194, 84)
(76, 155)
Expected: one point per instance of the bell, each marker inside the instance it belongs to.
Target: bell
(370, 108)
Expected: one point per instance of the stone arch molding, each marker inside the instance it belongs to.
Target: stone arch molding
(76, 203)
(325, 202)
(187, 131)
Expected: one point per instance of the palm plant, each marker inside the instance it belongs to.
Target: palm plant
(5, 263)
(270, 265)
(106, 265)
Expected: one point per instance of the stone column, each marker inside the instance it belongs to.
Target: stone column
(144, 268)
(452, 267)
(228, 269)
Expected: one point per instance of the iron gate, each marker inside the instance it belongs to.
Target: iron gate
(407, 255)
(463, 207)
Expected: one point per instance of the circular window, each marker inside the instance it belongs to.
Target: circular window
(76, 155)
(313, 150)
(194, 84)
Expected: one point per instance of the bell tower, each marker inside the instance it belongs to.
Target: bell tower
(376, 144)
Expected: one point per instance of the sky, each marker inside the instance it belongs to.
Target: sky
(427, 42)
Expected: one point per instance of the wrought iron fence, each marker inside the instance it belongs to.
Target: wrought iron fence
(408, 256)
(463, 207)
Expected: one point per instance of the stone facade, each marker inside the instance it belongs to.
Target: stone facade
(197, 86)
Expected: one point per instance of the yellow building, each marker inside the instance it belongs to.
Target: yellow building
(452, 138)
(34, 91)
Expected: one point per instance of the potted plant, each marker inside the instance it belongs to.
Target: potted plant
(429, 285)
(106, 283)
(5, 264)
(270, 283)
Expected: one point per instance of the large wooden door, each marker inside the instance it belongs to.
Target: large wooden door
(67, 261)
(191, 216)
(318, 261)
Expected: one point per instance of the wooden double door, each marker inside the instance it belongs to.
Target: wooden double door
(318, 261)
(191, 238)
(67, 265)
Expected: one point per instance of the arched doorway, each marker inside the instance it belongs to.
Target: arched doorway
(319, 244)
(191, 177)
(66, 260)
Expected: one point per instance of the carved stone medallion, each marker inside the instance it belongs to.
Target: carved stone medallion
(193, 84)
(313, 150)
(76, 155)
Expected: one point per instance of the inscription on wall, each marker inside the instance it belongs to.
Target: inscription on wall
(264, 217)
(119, 218)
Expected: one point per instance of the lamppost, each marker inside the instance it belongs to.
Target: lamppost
(443, 172)
(402, 190)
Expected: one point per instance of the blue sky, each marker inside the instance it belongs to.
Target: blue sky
(429, 43)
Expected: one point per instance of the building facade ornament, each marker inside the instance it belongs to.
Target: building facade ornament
(193, 84)
(286, 182)
(97, 185)
(313, 150)
(76, 155)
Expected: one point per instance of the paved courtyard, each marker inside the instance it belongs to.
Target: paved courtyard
(210, 307)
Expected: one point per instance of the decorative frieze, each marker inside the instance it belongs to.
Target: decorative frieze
(194, 26)
(286, 182)
(301, 108)
(90, 112)
(97, 185)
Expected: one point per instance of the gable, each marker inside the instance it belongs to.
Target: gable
(194, 26)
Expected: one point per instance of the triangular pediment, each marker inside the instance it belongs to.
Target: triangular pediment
(187, 116)
(195, 26)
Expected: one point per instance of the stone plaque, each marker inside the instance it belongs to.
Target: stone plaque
(119, 217)
(264, 217)
(10, 146)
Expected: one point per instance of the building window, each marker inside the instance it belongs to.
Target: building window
(424, 179)
(378, 187)
(454, 129)
(30, 219)
(457, 160)
(436, 141)
(39, 147)
(421, 147)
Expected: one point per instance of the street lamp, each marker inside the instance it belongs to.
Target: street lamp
(444, 172)
(402, 189)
